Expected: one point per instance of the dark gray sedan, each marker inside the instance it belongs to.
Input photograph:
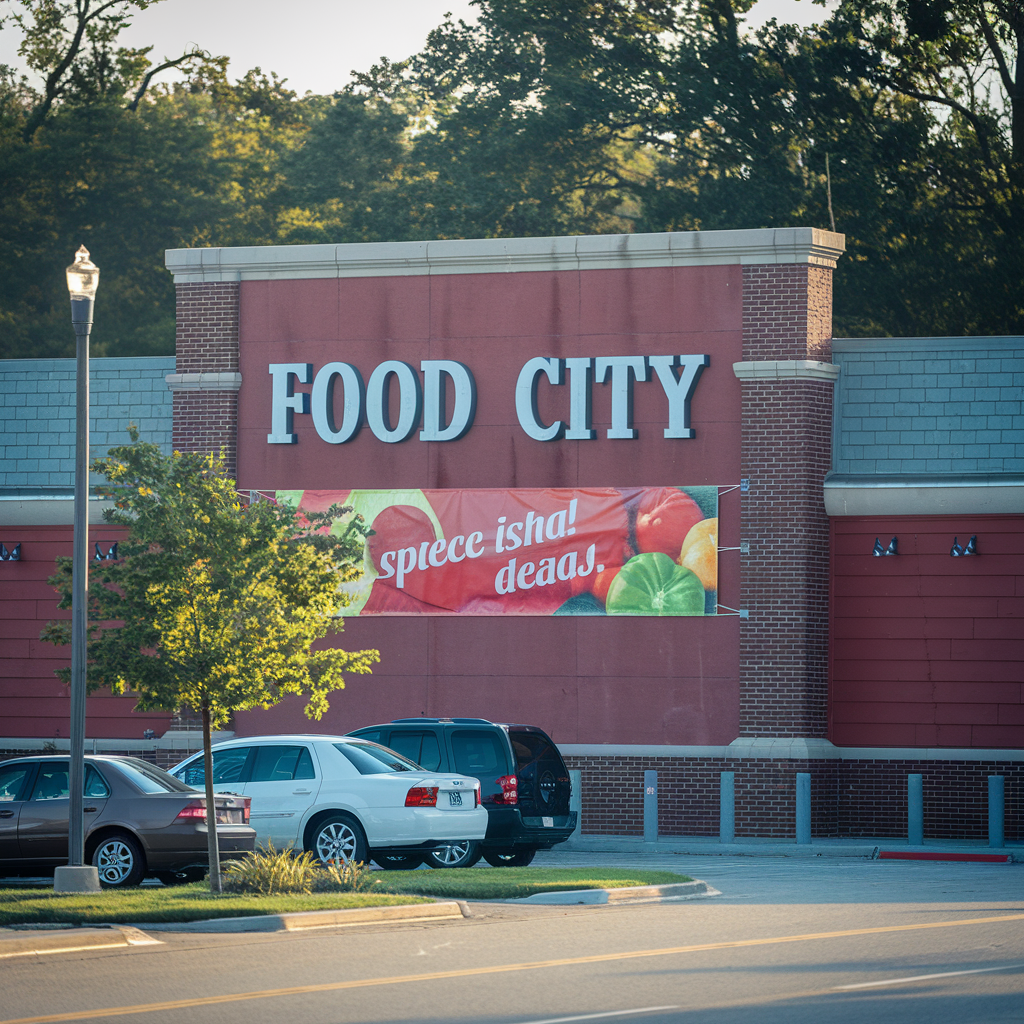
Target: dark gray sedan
(139, 821)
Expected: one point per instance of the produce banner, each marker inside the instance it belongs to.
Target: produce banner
(558, 551)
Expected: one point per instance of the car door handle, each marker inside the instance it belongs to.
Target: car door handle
(89, 810)
(6, 814)
(302, 792)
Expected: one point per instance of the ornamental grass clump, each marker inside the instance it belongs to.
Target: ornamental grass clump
(269, 871)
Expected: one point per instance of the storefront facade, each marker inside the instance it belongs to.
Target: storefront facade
(471, 382)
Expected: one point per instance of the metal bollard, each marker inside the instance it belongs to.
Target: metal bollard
(803, 808)
(576, 801)
(996, 809)
(727, 807)
(915, 810)
(650, 806)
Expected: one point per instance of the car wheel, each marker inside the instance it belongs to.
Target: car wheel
(397, 862)
(119, 862)
(510, 858)
(339, 838)
(454, 855)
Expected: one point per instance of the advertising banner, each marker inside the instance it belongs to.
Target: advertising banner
(538, 551)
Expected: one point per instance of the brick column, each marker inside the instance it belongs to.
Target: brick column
(786, 385)
(207, 380)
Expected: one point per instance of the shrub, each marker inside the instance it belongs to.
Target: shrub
(268, 871)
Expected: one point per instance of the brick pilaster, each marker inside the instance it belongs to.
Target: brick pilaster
(786, 452)
(207, 342)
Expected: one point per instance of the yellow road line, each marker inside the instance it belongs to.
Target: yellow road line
(335, 986)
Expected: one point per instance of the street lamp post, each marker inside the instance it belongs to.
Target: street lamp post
(83, 277)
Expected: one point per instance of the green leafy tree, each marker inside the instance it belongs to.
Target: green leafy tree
(213, 603)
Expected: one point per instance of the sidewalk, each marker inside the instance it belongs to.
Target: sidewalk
(866, 849)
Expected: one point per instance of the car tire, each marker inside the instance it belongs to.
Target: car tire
(339, 838)
(398, 862)
(510, 858)
(454, 855)
(119, 860)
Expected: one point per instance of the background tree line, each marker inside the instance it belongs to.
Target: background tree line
(546, 117)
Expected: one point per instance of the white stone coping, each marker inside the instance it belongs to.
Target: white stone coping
(913, 497)
(27, 511)
(204, 381)
(785, 369)
(507, 255)
(186, 740)
(786, 748)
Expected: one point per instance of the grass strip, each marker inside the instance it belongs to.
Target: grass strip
(196, 903)
(514, 883)
(181, 903)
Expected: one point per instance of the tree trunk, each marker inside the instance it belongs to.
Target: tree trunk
(212, 846)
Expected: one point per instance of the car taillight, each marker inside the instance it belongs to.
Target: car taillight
(195, 811)
(421, 796)
(509, 790)
(245, 810)
(476, 797)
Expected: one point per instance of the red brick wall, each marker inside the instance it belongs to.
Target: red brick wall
(786, 452)
(928, 650)
(207, 342)
(849, 799)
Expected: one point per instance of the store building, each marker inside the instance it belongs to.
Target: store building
(465, 383)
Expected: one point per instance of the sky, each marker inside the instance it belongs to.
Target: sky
(315, 44)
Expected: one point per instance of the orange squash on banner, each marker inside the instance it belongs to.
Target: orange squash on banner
(699, 553)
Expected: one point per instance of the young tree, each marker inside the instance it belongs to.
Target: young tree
(212, 603)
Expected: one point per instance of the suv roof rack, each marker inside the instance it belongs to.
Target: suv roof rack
(438, 721)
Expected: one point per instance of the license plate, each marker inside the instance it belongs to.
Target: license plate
(455, 799)
(548, 822)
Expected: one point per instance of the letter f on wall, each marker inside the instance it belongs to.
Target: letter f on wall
(284, 402)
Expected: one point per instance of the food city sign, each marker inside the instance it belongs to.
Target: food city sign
(424, 400)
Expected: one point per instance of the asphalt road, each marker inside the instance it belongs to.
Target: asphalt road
(840, 941)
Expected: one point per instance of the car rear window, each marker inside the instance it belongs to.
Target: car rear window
(372, 759)
(418, 746)
(478, 752)
(531, 747)
(12, 780)
(278, 763)
(148, 777)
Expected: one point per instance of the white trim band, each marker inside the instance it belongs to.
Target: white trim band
(785, 369)
(507, 255)
(787, 748)
(204, 381)
(937, 497)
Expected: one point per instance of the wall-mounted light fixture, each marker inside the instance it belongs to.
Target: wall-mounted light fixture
(879, 551)
(109, 556)
(14, 555)
(971, 548)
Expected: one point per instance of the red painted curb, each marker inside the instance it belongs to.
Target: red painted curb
(983, 858)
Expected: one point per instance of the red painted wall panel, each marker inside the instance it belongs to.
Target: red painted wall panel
(927, 650)
(586, 680)
(33, 702)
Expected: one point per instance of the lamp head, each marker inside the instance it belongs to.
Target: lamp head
(83, 276)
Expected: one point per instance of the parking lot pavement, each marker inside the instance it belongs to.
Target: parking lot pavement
(825, 880)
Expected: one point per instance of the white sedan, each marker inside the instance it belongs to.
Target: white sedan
(343, 798)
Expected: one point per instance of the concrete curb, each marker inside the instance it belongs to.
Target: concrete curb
(699, 848)
(32, 941)
(864, 849)
(627, 894)
(317, 919)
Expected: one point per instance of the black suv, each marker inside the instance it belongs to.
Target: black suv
(524, 784)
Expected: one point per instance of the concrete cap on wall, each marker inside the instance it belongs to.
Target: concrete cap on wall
(507, 255)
